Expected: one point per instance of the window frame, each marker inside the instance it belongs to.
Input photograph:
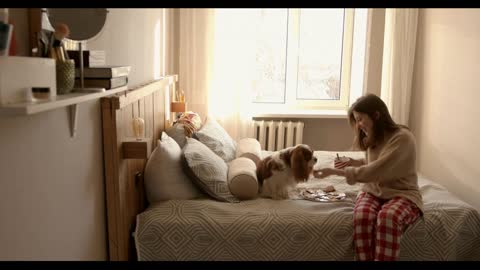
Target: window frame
(291, 104)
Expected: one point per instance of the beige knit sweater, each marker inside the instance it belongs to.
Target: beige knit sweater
(390, 169)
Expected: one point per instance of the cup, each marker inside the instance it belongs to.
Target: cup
(65, 70)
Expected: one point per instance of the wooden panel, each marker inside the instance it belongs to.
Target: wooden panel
(146, 90)
(34, 27)
(148, 117)
(111, 176)
(124, 177)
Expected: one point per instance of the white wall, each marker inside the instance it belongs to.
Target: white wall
(52, 202)
(445, 96)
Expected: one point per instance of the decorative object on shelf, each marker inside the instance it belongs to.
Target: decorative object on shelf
(106, 77)
(83, 24)
(65, 76)
(18, 75)
(178, 107)
(6, 32)
(138, 128)
(36, 94)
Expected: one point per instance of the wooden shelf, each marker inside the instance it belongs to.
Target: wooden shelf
(57, 102)
(133, 148)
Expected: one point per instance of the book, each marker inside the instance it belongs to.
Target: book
(107, 83)
(103, 72)
(90, 58)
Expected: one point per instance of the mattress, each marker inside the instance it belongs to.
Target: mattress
(296, 229)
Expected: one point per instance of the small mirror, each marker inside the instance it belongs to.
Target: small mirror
(84, 23)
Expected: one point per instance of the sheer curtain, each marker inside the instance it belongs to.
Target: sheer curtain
(215, 60)
(398, 60)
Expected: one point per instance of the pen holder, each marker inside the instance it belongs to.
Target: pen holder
(65, 70)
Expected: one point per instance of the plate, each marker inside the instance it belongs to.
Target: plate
(321, 196)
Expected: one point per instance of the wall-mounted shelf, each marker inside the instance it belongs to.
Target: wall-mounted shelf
(133, 148)
(71, 100)
(57, 102)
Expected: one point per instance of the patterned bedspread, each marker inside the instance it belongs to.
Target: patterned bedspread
(264, 229)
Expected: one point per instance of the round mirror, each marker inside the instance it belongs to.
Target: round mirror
(84, 23)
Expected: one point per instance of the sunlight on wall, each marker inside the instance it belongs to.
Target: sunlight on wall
(156, 51)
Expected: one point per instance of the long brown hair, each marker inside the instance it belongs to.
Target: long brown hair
(370, 104)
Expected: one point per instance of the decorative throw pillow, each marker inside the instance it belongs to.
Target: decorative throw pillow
(164, 175)
(187, 124)
(177, 132)
(207, 170)
(217, 139)
(242, 178)
(249, 148)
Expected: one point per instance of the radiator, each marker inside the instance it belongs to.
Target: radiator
(278, 135)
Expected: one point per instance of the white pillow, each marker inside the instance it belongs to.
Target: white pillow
(164, 176)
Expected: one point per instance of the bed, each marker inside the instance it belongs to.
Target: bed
(259, 229)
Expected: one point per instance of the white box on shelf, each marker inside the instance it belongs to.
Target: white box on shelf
(19, 74)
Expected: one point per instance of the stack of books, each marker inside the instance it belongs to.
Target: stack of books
(107, 77)
(90, 58)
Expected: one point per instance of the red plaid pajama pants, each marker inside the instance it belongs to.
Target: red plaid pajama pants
(379, 224)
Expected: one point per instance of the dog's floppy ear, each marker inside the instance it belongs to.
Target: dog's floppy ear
(299, 164)
(264, 169)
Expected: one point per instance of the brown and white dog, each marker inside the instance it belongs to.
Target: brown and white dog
(284, 169)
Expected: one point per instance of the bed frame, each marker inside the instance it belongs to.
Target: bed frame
(125, 157)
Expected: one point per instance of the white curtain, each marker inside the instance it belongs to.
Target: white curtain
(195, 62)
(215, 60)
(398, 61)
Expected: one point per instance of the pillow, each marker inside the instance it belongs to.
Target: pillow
(242, 178)
(249, 148)
(186, 125)
(177, 132)
(164, 177)
(207, 170)
(217, 139)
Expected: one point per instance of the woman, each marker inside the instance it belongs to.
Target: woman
(389, 200)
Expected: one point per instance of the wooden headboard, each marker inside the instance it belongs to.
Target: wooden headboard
(125, 158)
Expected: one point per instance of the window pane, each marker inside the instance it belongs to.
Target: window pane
(271, 39)
(320, 53)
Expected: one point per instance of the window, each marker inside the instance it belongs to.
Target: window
(308, 59)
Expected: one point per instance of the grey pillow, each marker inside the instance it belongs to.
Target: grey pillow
(217, 139)
(207, 170)
(177, 132)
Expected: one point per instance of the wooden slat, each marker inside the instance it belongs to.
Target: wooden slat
(111, 179)
(145, 90)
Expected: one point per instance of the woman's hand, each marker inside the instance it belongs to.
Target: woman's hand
(325, 172)
(343, 162)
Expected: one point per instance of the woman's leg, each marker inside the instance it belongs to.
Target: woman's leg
(393, 219)
(364, 219)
